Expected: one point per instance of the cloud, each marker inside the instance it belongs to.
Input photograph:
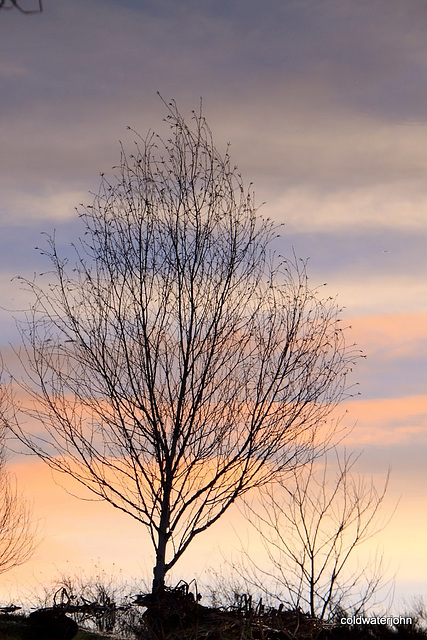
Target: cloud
(396, 350)
(284, 84)
(381, 293)
(369, 208)
(394, 421)
(391, 336)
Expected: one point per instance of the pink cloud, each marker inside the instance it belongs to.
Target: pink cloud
(394, 335)
(387, 420)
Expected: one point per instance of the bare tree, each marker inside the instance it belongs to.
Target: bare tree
(178, 363)
(17, 534)
(311, 530)
(10, 4)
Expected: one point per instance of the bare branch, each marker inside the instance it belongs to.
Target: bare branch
(15, 4)
(17, 533)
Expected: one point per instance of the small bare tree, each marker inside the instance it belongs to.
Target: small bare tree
(311, 528)
(178, 363)
(17, 535)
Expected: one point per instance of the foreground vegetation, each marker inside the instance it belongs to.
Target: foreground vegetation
(177, 615)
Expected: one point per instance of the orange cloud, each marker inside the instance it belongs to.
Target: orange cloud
(394, 335)
(387, 420)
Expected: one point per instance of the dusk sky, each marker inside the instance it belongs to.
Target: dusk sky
(324, 103)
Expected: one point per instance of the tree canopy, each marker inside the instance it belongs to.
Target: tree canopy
(177, 361)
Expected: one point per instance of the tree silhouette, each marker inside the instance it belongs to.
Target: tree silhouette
(17, 535)
(178, 363)
(312, 530)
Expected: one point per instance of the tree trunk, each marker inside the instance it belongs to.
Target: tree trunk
(159, 569)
